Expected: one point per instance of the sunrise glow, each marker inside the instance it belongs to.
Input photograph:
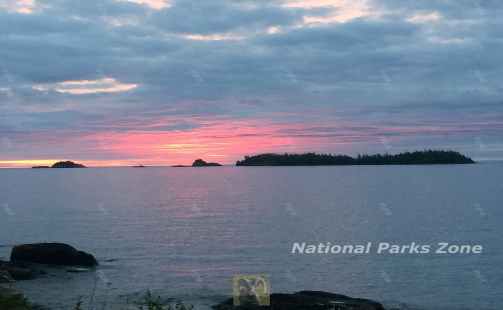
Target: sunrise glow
(162, 82)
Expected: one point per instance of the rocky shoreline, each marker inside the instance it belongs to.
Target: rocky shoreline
(29, 261)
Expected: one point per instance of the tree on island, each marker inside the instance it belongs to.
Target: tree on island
(426, 157)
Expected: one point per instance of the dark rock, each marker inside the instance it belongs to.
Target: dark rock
(52, 254)
(308, 300)
(40, 167)
(202, 163)
(16, 272)
(5, 276)
(20, 273)
(67, 164)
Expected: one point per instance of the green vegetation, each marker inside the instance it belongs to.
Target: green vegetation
(13, 300)
(426, 157)
(151, 302)
(148, 302)
(78, 305)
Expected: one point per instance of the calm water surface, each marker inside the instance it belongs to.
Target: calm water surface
(184, 232)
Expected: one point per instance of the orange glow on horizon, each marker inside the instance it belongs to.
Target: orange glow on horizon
(22, 163)
(28, 163)
(221, 140)
(226, 141)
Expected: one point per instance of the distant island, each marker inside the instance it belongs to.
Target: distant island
(67, 164)
(198, 163)
(427, 157)
(202, 163)
(62, 164)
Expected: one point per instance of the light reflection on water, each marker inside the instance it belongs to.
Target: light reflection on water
(184, 232)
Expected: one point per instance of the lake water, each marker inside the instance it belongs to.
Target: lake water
(184, 232)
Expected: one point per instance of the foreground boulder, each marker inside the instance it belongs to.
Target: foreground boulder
(51, 254)
(308, 300)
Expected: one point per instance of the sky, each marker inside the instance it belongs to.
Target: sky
(163, 82)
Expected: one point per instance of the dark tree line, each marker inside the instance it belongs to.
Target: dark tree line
(313, 159)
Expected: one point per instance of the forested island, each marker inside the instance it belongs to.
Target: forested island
(427, 157)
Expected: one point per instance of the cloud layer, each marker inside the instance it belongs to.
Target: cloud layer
(321, 75)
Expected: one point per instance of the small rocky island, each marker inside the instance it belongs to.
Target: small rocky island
(62, 164)
(202, 163)
(427, 157)
(67, 164)
(198, 163)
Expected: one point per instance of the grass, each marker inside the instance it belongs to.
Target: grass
(148, 302)
(151, 302)
(13, 300)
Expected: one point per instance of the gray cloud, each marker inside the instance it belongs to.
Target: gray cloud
(219, 16)
(415, 70)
